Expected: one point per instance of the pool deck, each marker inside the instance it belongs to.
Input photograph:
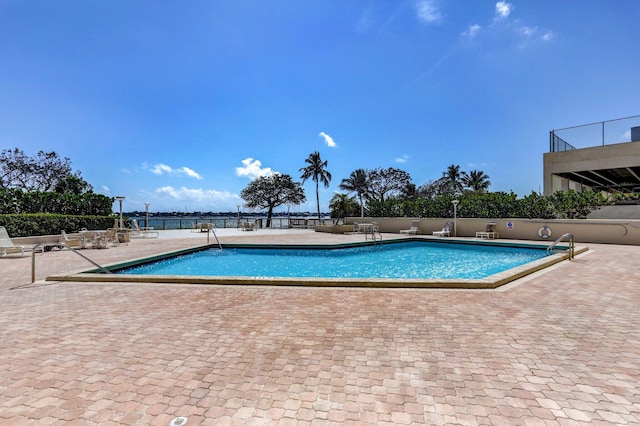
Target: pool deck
(560, 346)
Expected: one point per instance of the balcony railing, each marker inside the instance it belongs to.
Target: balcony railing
(592, 134)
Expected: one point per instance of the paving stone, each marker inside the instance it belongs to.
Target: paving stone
(560, 347)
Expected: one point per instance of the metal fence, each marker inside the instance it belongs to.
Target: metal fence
(593, 134)
(557, 144)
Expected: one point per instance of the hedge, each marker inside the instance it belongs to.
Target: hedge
(15, 201)
(24, 225)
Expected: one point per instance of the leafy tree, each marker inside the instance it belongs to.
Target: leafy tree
(572, 204)
(476, 181)
(316, 170)
(342, 205)
(384, 183)
(268, 192)
(357, 182)
(489, 204)
(433, 189)
(409, 192)
(44, 172)
(534, 206)
(73, 184)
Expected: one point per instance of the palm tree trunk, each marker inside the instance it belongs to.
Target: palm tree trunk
(318, 201)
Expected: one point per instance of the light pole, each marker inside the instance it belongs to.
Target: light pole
(455, 217)
(120, 198)
(238, 207)
(146, 220)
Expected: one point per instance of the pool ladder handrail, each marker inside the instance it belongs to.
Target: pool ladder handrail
(213, 231)
(550, 249)
(44, 245)
(372, 230)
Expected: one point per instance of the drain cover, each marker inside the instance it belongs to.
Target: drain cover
(178, 421)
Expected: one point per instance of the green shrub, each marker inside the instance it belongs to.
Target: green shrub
(567, 204)
(14, 201)
(23, 225)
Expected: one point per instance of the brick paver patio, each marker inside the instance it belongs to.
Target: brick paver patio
(560, 347)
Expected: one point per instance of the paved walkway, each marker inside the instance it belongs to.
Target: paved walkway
(560, 347)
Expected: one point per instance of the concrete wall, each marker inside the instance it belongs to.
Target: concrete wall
(631, 211)
(605, 231)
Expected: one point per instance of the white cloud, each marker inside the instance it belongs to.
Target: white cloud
(502, 24)
(191, 173)
(472, 31)
(106, 190)
(328, 140)
(528, 31)
(160, 169)
(548, 36)
(253, 169)
(532, 34)
(428, 11)
(194, 194)
(503, 10)
(402, 159)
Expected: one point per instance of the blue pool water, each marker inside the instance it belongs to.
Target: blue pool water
(402, 260)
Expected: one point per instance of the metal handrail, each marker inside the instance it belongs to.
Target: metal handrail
(213, 231)
(43, 245)
(373, 231)
(571, 245)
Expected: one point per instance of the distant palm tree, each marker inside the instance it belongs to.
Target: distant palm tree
(317, 171)
(452, 179)
(476, 181)
(357, 182)
(342, 205)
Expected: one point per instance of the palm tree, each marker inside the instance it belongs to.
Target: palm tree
(342, 205)
(476, 181)
(316, 170)
(357, 182)
(452, 179)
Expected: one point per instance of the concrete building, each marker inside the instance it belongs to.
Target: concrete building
(611, 168)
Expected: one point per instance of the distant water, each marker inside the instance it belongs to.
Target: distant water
(173, 222)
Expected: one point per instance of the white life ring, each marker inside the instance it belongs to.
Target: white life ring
(544, 232)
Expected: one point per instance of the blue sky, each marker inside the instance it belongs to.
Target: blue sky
(180, 104)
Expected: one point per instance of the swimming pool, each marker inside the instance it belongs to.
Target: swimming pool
(314, 254)
(407, 260)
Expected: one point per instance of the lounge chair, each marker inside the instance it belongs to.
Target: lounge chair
(446, 230)
(7, 246)
(248, 226)
(144, 231)
(111, 236)
(356, 227)
(489, 233)
(71, 241)
(413, 229)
